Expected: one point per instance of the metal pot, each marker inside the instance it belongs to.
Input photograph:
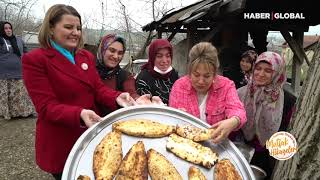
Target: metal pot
(259, 173)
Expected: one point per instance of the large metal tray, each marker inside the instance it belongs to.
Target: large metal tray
(80, 159)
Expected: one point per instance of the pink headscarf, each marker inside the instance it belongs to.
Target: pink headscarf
(264, 104)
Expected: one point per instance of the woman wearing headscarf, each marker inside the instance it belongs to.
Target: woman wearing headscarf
(263, 99)
(246, 64)
(14, 98)
(157, 75)
(110, 53)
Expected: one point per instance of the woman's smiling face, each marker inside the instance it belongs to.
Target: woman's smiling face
(113, 54)
(262, 73)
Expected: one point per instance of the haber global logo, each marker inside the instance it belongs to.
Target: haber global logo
(282, 145)
(274, 16)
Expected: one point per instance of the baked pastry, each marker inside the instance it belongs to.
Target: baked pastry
(160, 168)
(195, 174)
(107, 156)
(143, 128)
(225, 170)
(194, 133)
(83, 177)
(191, 151)
(134, 164)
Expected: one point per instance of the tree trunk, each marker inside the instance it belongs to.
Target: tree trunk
(305, 127)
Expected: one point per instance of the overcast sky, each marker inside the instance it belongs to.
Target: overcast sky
(139, 11)
(91, 10)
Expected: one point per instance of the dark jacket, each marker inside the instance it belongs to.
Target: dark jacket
(148, 84)
(10, 63)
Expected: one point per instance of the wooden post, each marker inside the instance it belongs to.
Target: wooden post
(296, 63)
(190, 41)
(305, 127)
(159, 33)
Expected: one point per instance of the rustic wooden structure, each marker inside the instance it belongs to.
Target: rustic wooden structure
(202, 20)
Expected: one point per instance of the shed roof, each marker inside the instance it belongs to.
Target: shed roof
(206, 13)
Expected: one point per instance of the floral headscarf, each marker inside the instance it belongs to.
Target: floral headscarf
(264, 104)
(106, 41)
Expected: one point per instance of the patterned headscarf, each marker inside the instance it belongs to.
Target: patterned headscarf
(154, 47)
(106, 41)
(264, 104)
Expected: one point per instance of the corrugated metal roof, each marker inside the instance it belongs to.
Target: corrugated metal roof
(193, 11)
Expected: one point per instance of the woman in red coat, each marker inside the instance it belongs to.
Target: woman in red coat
(64, 86)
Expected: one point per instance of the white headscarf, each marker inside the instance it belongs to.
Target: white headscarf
(264, 104)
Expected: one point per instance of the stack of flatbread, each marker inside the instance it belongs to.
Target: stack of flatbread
(108, 162)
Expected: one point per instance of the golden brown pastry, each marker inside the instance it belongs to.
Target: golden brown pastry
(194, 133)
(195, 174)
(83, 177)
(160, 168)
(191, 151)
(225, 170)
(107, 156)
(143, 128)
(134, 164)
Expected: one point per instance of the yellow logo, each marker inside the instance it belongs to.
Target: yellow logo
(282, 145)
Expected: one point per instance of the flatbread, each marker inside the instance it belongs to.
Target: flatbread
(160, 168)
(83, 177)
(194, 133)
(134, 164)
(191, 151)
(107, 156)
(225, 170)
(195, 174)
(143, 128)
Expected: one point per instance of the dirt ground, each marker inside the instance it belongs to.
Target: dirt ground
(17, 158)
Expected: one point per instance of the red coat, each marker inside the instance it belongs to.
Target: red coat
(60, 90)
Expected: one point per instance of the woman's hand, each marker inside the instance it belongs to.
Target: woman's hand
(144, 99)
(157, 100)
(125, 100)
(224, 128)
(89, 117)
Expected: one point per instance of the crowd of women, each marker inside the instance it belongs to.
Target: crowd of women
(71, 89)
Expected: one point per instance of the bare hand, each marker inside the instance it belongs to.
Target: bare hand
(223, 128)
(157, 100)
(89, 117)
(144, 99)
(125, 100)
(182, 109)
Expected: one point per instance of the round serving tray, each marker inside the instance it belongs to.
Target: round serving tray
(80, 159)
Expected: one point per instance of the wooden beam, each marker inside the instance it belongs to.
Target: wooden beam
(189, 42)
(296, 63)
(211, 33)
(172, 35)
(296, 49)
(159, 34)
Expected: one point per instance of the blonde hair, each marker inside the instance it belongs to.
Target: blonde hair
(52, 17)
(203, 53)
